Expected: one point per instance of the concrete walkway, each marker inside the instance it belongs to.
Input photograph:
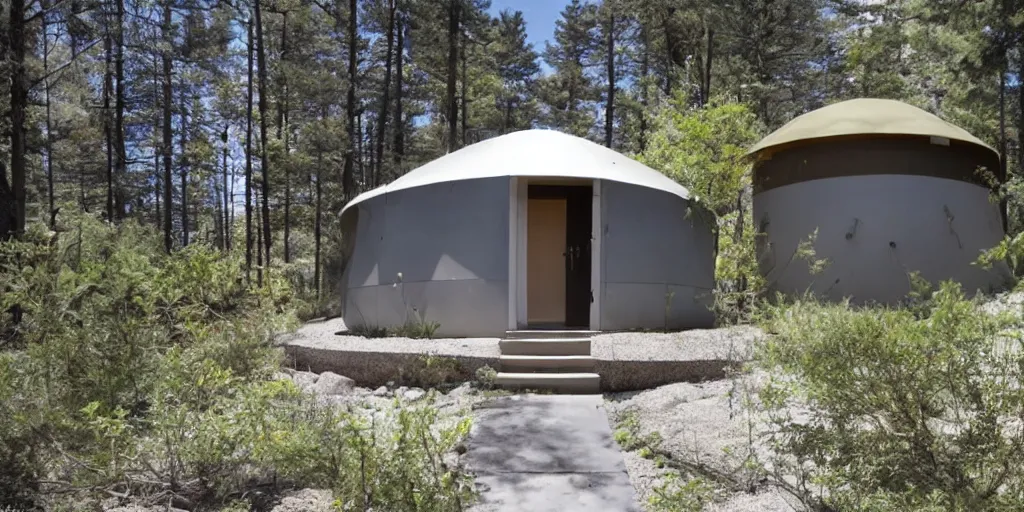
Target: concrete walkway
(539, 453)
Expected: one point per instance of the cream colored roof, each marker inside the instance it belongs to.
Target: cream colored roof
(865, 116)
(544, 153)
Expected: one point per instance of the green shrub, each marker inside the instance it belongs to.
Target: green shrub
(411, 329)
(431, 371)
(417, 329)
(629, 436)
(679, 494)
(895, 409)
(485, 377)
(128, 371)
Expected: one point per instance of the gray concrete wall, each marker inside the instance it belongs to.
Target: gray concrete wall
(449, 241)
(657, 263)
(936, 226)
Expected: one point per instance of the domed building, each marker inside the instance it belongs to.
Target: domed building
(884, 189)
(530, 230)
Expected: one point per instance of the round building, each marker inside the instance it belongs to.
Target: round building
(882, 189)
(530, 230)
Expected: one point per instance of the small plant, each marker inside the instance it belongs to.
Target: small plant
(628, 435)
(485, 377)
(678, 494)
(416, 330)
(369, 331)
(431, 371)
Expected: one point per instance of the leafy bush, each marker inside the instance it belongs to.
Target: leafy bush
(704, 149)
(431, 371)
(895, 409)
(679, 494)
(129, 372)
(485, 377)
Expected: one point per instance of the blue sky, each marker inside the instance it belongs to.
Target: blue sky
(540, 17)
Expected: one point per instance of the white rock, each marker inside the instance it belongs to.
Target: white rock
(306, 500)
(465, 388)
(381, 391)
(401, 391)
(331, 383)
(305, 380)
(414, 394)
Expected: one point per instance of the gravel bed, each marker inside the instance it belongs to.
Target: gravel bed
(698, 422)
(696, 344)
(325, 335)
(729, 343)
(643, 474)
(1009, 301)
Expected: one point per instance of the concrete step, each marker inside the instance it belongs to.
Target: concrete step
(543, 333)
(568, 383)
(545, 347)
(546, 364)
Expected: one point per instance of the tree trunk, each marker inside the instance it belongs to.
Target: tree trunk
(359, 146)
(108, 130)
(366, 135)
(166, 148)
(248, 159)
(259, 244)
(183, 169)
(453, 56)
(157, 109)
(1002, 137)
(609, 111)
(49, 124)
(669, 47)
(261, 62)
(347, 179)
(645, 64)
(385, 95)
(462, 91)
(18, 105)
(282, 94)
(316, 224)
(706, 75)
(1020, 106)
(6, 206)
(218, 216)
(398, 151)
(283, 132)
(121, 164)
(227, 200)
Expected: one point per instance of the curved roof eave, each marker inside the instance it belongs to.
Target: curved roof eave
(530, 153)
(865, 116)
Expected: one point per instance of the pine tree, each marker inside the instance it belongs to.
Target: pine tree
(517, 66)
(569, 94)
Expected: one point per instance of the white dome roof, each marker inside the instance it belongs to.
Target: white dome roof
(545, 153)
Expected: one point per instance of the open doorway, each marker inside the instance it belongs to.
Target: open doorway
(558, 256)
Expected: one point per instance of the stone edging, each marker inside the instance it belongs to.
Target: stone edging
(375, 368)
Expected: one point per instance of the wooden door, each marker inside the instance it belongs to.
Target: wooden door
(545, 263)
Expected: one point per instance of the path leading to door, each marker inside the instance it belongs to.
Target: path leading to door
(539, 453)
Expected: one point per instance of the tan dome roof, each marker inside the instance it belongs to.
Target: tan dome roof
(865, 116)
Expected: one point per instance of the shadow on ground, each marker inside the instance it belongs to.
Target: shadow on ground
(548, 452)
